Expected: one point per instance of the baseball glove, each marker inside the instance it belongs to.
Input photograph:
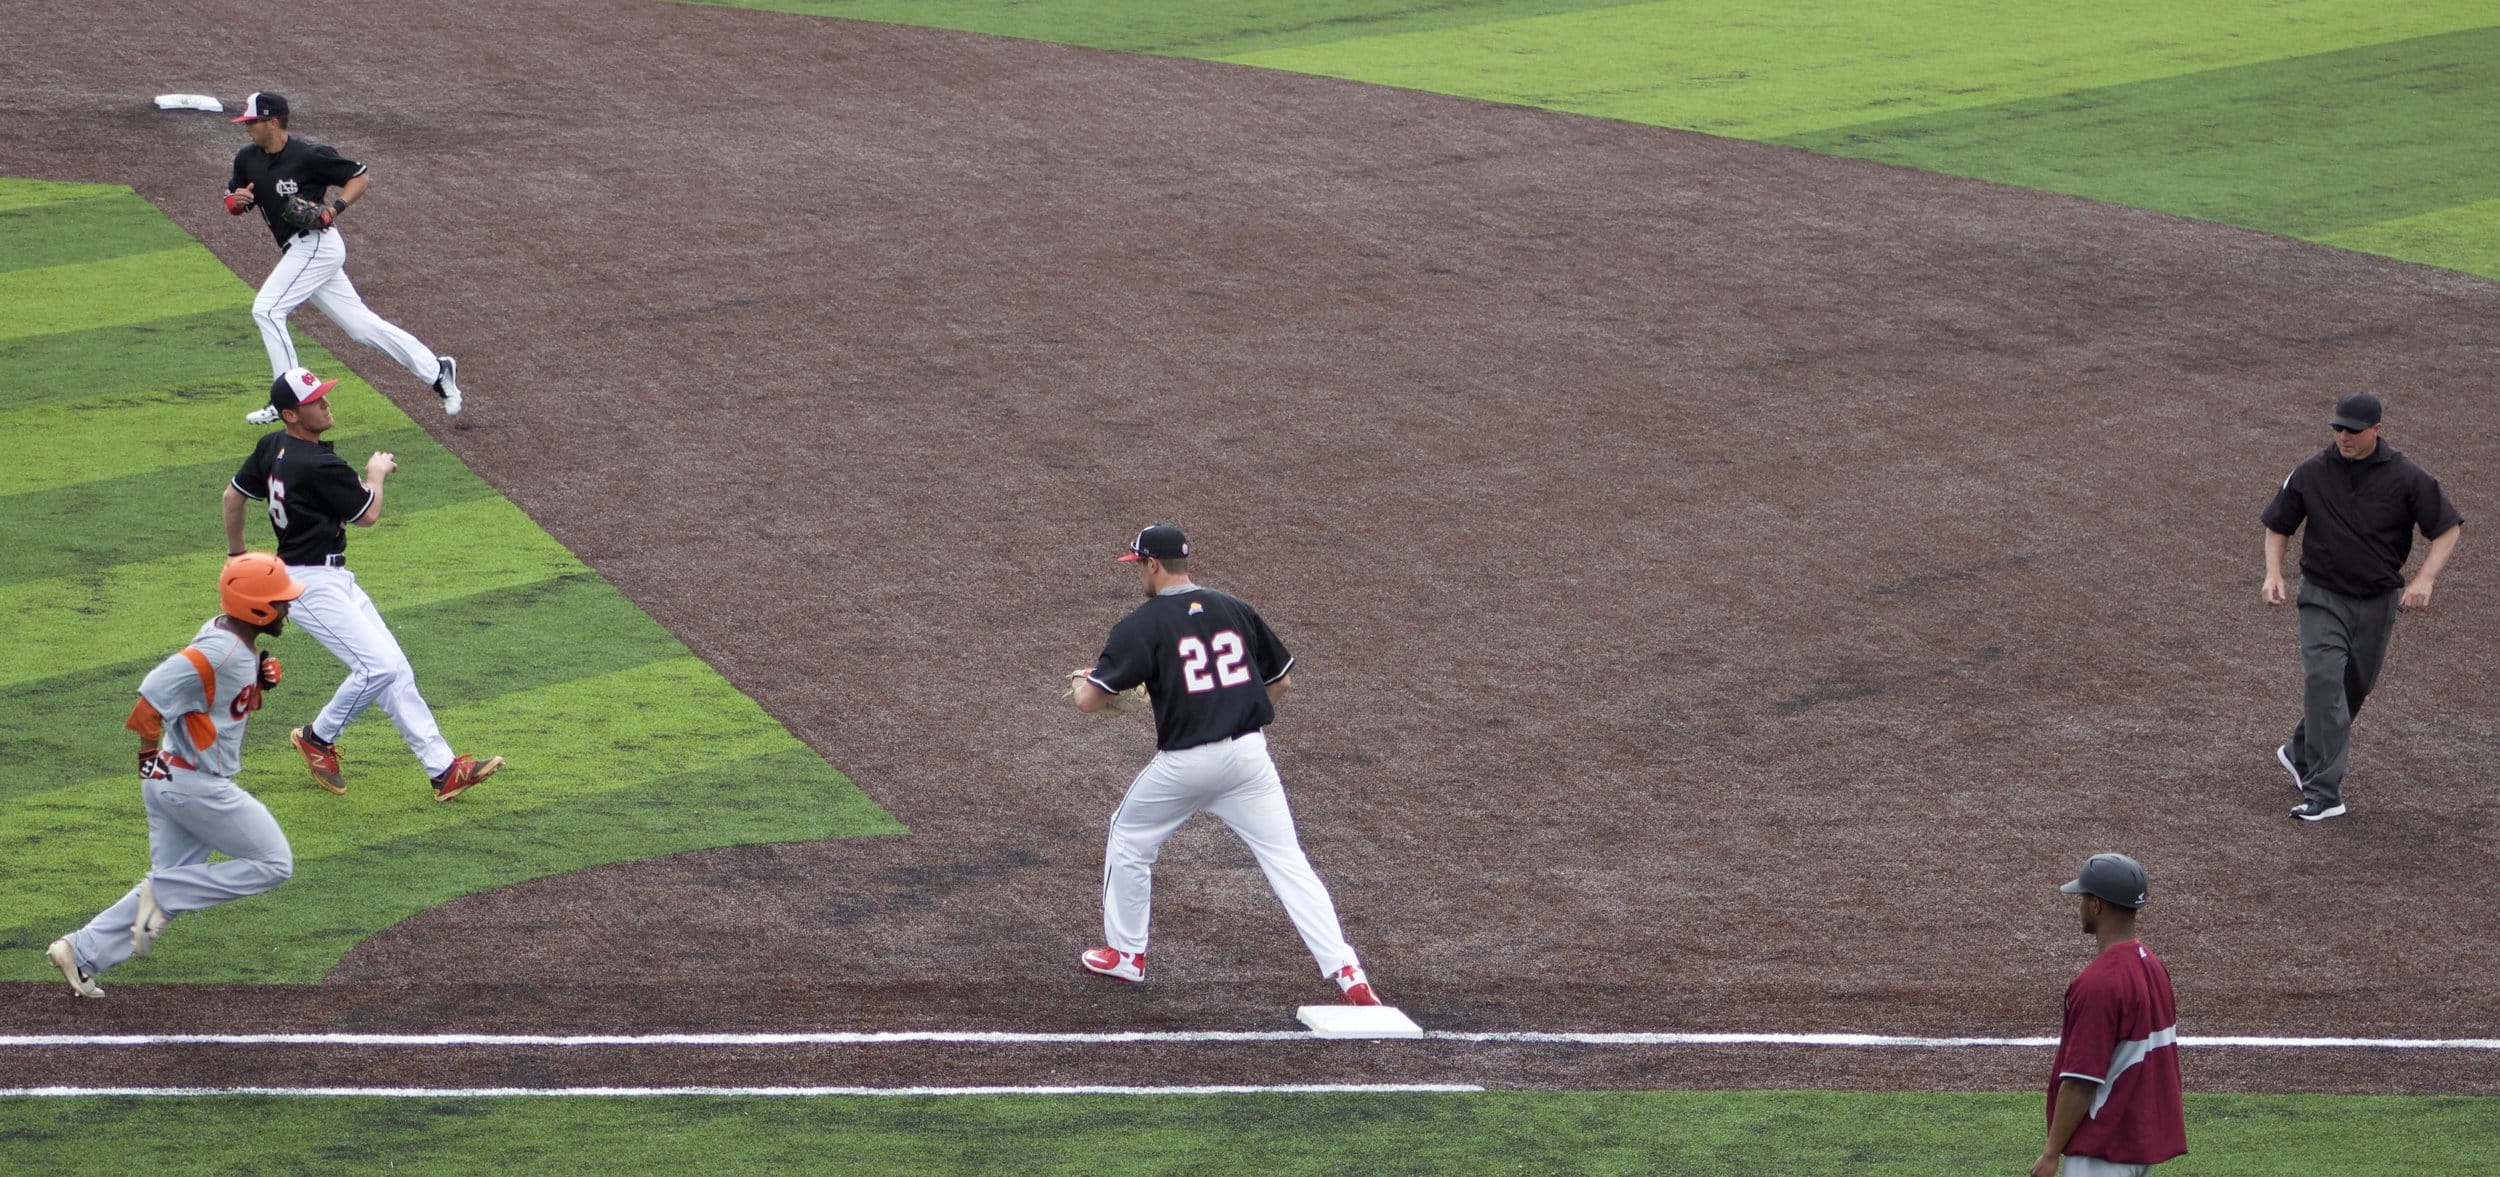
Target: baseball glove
(1125, 702)
(304, 215)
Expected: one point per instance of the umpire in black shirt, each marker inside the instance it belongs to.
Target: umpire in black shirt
(2361, 501)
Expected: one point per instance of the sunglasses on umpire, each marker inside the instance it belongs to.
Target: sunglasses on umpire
(2343, 429)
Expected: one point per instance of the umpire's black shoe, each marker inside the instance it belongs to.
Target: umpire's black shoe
(2317, 810)
(2283, 756)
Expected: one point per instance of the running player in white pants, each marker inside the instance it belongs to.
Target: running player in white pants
(190, 716)
(313, 495)
(314, 269)
(1214, 670)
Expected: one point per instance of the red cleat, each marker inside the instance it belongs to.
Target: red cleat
(1111, 962)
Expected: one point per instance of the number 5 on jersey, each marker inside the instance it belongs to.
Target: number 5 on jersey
(1230, 669)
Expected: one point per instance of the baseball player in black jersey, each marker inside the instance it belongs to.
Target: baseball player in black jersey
(278, 166)
(1214, 670)
(313, 495)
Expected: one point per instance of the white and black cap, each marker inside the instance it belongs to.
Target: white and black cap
(261, 105)
(1161, 542)
(297, 388)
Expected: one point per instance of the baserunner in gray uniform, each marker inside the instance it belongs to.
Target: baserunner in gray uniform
(190, 717)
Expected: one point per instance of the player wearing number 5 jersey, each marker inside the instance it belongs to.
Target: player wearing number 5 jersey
(190, 716)
(1214, 670)
(313, 495)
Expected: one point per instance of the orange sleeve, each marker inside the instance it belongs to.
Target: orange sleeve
(145, 721)
(203, 729)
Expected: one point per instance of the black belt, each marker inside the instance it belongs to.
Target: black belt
(333, 560)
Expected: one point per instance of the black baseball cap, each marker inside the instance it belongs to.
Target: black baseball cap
(297, 388)
(261, 105)
(1161, 541)
(2112, 878)
(2356, 412)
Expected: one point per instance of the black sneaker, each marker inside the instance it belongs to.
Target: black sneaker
(2283, 756)
(2317, 810)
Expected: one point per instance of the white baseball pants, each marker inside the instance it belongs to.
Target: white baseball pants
(1237, 782)
(189, 816)
(336, 612)
(315, 270)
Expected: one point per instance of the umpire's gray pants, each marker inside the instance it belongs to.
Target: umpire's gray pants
(2343, 642)
(189, 816)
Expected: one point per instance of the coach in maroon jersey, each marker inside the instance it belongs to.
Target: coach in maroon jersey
(2114, 1104)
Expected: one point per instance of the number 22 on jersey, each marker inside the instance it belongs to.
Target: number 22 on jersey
(1230, 668)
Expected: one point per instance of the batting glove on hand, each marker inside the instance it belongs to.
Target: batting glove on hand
(152, 766)
(269, 670)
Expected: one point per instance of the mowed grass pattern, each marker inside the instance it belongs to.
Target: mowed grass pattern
(2352, 122)
(121, 392)
(1753, 1134)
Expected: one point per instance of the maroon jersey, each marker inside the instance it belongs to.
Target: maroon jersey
(2122, 1033)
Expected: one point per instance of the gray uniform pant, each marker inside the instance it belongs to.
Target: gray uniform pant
(189, 816)
(2343, 642)
(2096, 1167)
(1236, 781)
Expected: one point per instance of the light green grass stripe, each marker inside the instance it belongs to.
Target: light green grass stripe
(416, 854)
(130, 289)
(214, 355)
(1742, 1134)
(2463, 238)
(128, 611)
(1761, 73)
(116, 223)
(2374, 135)
(566, 743)
(16, 193)
(142, 516)
(66, 443)
(466, 650)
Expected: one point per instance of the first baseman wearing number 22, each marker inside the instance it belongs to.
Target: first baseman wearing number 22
(1214, 670)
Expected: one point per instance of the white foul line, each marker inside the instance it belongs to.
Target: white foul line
(631, 1092)
(1112, 1038)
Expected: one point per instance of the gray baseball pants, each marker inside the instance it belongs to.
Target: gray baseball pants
(189, 816)
(2343, 642)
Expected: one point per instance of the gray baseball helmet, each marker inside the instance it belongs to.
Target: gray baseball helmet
(2112, 878)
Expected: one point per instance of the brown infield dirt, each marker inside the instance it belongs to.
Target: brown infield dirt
(1732, 587)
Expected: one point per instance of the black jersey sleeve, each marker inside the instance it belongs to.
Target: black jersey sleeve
(324, 166)
(253, 478)
(235, 178)
(1127, 655)
(1267, 653)
(2432, 512)
(343, 496)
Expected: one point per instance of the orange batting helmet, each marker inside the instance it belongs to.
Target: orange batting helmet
(252, 585)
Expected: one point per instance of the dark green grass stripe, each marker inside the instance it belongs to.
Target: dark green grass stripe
(1757, 1134)
(68, 727)
(296, 933)
(125, 520)
(1209, 28)
(111, 224)
(2303, 146)
(213, 353)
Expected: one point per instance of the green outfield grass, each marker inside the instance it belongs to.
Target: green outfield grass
(120, 423)
(2352, 122)
(1752, 1133)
